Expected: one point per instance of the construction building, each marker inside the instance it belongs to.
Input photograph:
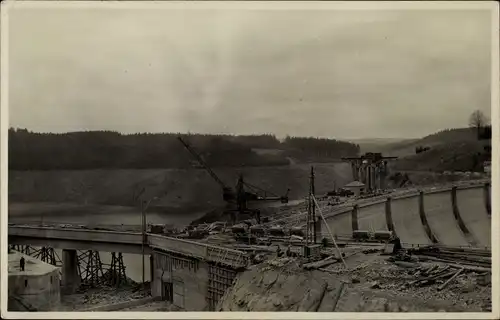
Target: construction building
(370, 169)
(36, 288)
(356, 187)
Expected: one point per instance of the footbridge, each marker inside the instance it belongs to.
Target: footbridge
(179, 268)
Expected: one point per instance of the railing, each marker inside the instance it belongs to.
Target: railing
(76, 234)
(215, 254)
(398, 195)
(207, 252)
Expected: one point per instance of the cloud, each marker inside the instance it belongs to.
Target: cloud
(395, 73)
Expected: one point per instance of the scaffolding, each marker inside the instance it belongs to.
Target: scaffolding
(90, 268)
(45, 254)
(116, 272)
(370, 169)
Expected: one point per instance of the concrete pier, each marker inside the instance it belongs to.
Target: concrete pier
(459, 220)
(388, 215)
(36, 288)
(70, 276)
(354, 218)
(423, 218)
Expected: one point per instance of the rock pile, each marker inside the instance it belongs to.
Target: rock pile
(282, 285)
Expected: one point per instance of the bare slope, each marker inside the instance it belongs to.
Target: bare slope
(444, 137)
(192, 188)
(457, 156)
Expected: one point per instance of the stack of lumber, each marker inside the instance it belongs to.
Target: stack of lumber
(470, 258)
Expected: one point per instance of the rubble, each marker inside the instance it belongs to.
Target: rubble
(101, 296)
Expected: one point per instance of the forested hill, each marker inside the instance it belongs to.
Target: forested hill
(106, 149)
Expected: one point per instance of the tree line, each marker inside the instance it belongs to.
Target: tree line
(107, 149)
(310, 149)
(421, 149)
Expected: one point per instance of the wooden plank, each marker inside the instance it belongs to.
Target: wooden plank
(441, 287)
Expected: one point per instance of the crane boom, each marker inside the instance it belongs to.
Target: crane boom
(238, 195)
(203, 164)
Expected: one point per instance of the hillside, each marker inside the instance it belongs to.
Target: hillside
(379, 144)
(449, 150)
(444, 137)
(113, 150)
(457, 156)
(182, 189)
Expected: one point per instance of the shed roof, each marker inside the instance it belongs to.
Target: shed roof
(32, 266)
(355, 184)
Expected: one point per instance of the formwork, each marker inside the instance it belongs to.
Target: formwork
(220, 279)
(170, 261)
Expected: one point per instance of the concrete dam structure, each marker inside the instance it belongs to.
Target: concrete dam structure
(195, 276)
(455, 216)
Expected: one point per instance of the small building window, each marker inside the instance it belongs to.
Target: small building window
(50, 280)
(25, 283)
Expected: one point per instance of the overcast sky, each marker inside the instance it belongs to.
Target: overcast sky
(339, 74)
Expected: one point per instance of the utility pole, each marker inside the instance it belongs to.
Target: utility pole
(308, 223)
(313, 207)
(311, 212)
(143, 229)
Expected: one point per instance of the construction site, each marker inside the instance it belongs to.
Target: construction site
(360, 247)
(249, 156)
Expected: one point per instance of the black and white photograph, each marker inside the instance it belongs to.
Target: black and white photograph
(240, 156)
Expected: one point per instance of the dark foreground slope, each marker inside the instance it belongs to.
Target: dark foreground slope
(176, 188)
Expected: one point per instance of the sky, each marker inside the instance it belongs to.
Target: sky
(332, 73)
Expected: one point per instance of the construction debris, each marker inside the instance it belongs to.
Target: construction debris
(441, 287)
(464, 256)
(319, 264)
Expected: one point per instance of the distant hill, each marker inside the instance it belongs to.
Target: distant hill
(379, 144)
(112, 150)
(448, 136)
(449, 150)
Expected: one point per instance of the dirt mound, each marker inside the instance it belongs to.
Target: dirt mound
(281, 286)
(176, 188)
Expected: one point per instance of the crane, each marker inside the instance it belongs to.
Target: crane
(238, 196)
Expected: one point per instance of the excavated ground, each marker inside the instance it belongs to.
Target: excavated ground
(371, 284)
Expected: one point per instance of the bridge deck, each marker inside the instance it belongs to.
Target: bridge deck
(111, 239)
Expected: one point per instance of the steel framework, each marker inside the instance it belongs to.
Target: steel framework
(90, 268)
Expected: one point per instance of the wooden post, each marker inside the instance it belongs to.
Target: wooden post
(388, 215)
(330, 232)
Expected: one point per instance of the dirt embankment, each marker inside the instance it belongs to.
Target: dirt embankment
(175, 188)
(281, 288)
(372, 285)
